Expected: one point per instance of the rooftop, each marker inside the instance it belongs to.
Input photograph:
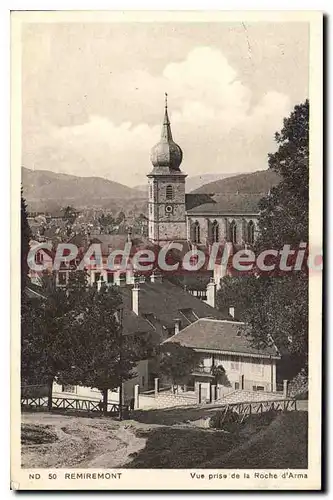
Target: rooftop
(222, 336)
(167, 302)
(223, 204)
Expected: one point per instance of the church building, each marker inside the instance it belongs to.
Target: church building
(200, 219)
(167, 210)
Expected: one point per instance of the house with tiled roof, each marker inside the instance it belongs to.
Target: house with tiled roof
(155, 309)
(159, 308)
(228, 359)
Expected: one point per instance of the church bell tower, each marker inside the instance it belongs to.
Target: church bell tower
(166, 203)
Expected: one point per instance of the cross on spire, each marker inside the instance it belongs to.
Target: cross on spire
(166, 130)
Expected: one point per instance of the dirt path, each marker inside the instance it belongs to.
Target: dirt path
(65, 441)
(56, 441)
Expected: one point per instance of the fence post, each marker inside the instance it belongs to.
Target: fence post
(199, 393)
(285, 388)
(212, 393)
(156, 386)
(136, 396)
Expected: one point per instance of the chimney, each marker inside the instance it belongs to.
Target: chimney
(177, 326)
(122, 280)
(156, 276)
(211, 293)
(135, 298)
(232, 311)
(129, 277)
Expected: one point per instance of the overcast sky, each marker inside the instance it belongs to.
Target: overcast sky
(93, 94)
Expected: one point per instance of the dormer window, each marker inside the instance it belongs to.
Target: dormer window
(62, 278)
(189, 315)
(169, 192)
(39, 258)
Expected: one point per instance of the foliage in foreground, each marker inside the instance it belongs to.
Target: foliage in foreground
(277, 303)
(74, 336)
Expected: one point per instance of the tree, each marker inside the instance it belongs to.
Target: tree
(284, 214)
(107, 222)
(275, 306)
(104, 355)
(25, 242)
(73, 336)
(46, 347)
(43, 352)
(177, 362)
(220, 376)
(70, 215)
(120, 217)
(239, 292)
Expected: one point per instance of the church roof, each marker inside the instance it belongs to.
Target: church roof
(223, 204)
(166, 154)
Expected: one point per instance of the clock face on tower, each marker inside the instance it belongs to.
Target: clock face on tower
(168, 209)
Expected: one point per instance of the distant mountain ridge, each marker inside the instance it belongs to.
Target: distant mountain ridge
(255, 182)
(48, 191)
(194, 182)
(42, 187)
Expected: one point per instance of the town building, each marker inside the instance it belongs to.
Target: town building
(156, 307)
(153, 308)
(228, 360)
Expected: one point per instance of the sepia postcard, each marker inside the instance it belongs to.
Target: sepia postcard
(166, 253)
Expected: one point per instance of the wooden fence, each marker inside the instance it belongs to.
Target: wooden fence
(69, 404)
(241, 411)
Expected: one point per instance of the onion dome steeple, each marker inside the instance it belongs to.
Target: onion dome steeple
(166, 153)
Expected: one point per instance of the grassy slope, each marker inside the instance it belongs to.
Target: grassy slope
(51, 440)
(176, 448)
(281, 444)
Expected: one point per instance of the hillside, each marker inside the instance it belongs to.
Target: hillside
(256, 182)
(42, 187)
(194, 182)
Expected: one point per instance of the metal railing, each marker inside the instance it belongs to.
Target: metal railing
(203, 369)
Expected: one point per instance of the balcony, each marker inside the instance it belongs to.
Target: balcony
(203, 370)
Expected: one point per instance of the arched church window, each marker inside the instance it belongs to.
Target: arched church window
(250, 232)
(233, 232)
(151, 191)
(196, 232)
(169, 192)
(215, 231)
